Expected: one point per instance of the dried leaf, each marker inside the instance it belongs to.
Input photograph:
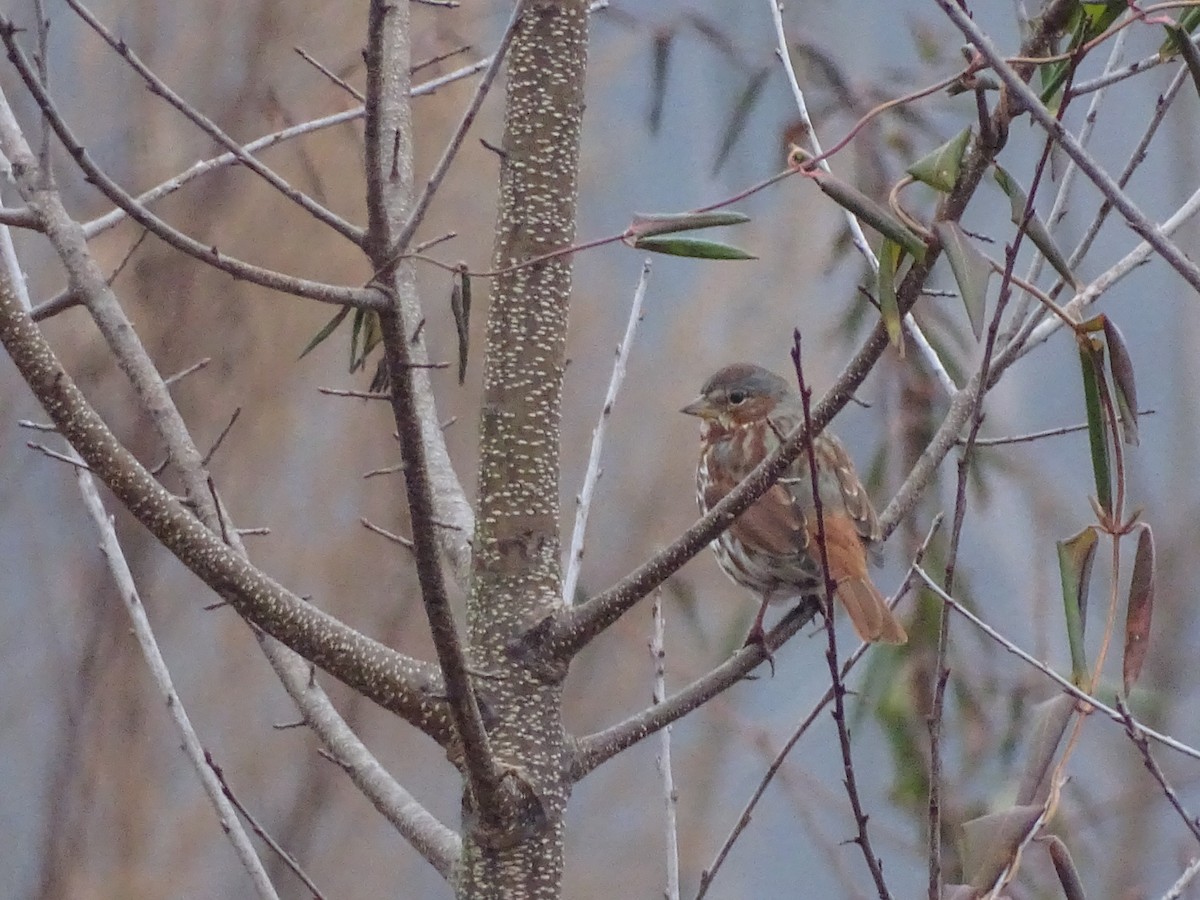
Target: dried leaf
(658, 81)
(1120, 364)
(1068, 875)
(990, 842)
(1053, 717)
(460, 306)
(736, 126)
(1140, 609)
(649, 224)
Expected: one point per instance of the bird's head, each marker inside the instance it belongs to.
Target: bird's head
(738, 395)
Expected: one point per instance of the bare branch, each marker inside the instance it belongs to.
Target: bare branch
(592, 473)
(157, 86)
(1063, 683)
(363, 298)
(388, 136)
(1104, 182)
(114, 558)
(1137, 735)
(670, 798)
(595, 749)
(856, 233)
(332, 76)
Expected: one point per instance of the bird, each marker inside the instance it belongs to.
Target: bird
(772, 548)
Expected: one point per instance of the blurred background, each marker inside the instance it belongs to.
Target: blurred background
(687, 104)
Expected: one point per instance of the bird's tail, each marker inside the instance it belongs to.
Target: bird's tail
(869, 612)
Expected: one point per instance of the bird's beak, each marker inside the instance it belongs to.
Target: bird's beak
(700, 407)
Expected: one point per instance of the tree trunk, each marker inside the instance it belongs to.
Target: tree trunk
(517, 563)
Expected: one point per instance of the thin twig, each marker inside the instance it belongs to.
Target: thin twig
(743, 820)
(221, 437)
(391, 536)
(850, 779)
(330, 74)
(1039, 435)
(157, 86)
(856, 233)
(408, 229)
(1189, 874)
(670, 798)
(1063, 683)
(114, 558)
(1136, 734)
(194, 367)
(263, 834)
(592, 474)
(1104, 182)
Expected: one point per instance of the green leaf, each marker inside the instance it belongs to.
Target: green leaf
(648, 224)
(940, 168)
(1139, 610)
(1187, 22)
(325, 332)
(691, 247)
(1035, 228)
(736, 126)
(870, 212)
(1191, 56)
(889, 262)
(1091, 358)
(1075, 558)
(971, 270)
(1120, 364)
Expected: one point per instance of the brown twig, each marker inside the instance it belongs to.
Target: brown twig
(850, 781)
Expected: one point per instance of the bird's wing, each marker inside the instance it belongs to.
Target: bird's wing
(854, 495)
(773, 523)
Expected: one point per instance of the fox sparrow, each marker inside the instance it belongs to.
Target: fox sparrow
(771, 548)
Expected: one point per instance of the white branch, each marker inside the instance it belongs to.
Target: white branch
(664, 754)
(592, 474)
(856, 233)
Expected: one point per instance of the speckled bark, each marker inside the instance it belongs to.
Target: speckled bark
(517, 571)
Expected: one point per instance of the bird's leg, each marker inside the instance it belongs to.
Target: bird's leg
(757, 636)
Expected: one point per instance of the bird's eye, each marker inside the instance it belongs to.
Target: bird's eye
(737, 397)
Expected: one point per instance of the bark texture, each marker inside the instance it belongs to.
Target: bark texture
(517, 560)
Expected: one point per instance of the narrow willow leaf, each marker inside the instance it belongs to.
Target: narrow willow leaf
(691, 247)
(1036, 228)
(1140, 609)
(1051, 720)
(1064, 867)
(356, 330)
(658, 85)
(648, 224)
(1091, 359)
(889, 307)
(940, 168)
(1187, 22)
(971, 270)
(736, 126)
(870, 212)
(326, 331)
(990, 842)
(460, 306)
(1120, 363)
(1191, 55)
(1075, 558)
